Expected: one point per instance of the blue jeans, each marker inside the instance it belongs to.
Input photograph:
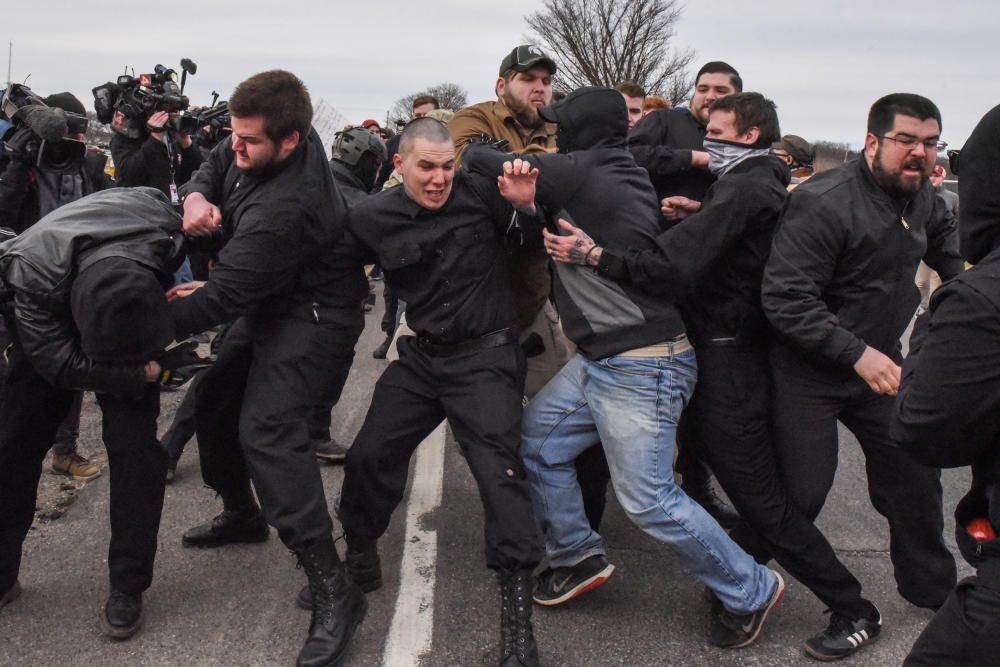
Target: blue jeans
(631, 405)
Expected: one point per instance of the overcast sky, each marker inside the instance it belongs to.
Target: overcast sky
(822, 63)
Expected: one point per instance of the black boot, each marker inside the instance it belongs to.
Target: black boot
(696, 482)
(246, 525)
(339, 607)
(383, 350)
(363, 566)
(517, 641)
(122, 615)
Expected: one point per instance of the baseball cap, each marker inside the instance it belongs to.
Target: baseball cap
(524, 57)
(801, 150)
(368, 123)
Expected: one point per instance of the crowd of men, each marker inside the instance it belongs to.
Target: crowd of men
(594, 287)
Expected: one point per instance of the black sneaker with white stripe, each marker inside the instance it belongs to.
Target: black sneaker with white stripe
(843, 637)
(561, 584)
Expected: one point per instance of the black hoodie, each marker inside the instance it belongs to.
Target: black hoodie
(594, 182)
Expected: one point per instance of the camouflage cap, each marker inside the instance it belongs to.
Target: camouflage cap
(524, 57)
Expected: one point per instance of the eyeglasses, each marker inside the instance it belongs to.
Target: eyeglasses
(908, 143)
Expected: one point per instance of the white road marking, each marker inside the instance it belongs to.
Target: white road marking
(412, 628)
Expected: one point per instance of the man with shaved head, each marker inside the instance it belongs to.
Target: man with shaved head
(440, 240)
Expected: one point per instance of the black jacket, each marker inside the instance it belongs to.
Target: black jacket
(713, 261)
(840, 274)
(39, 266)
(145, 162)
(29, 193)
(281, 228)
(661, 143)
(349, 185)
(594, 182)
(948, 407)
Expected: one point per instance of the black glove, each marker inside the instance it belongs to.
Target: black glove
(490, 142)
(23, 146)
(181, 363)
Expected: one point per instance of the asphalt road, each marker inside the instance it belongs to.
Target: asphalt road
(234, 605)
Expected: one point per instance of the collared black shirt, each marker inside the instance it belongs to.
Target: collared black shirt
(449, 264)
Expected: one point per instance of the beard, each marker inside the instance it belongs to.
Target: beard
(893, 181)
(525, 114)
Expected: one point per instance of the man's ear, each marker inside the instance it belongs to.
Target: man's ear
(752, 135)
(397, 161)
(871, 144)
(500, 86)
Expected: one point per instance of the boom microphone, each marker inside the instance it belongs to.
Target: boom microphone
(47, 122)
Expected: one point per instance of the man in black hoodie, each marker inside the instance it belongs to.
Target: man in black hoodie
(712, 261)
(838, 288)
(297, 306)
(88, 312)
(948, 408)
(634, 372)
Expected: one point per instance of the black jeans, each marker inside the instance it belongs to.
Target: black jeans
(183, 427)
(729, 416)
(252, 414)
(480, 395)
(807, 401)
(31, 412)
(965, 631)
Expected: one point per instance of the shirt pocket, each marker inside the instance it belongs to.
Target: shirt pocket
(396, 255)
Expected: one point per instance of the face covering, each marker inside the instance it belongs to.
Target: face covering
(724, 155)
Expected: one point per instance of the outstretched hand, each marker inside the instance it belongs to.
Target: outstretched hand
(573, 247)
(678, 207)
(517, 184)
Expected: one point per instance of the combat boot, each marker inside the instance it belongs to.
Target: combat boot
(339, 606)
(517, 640)
(364, 567)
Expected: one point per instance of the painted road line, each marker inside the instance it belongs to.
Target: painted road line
(412, 630)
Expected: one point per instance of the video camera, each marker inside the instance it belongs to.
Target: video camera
(40, 134)
(207, 125)
(127, 103)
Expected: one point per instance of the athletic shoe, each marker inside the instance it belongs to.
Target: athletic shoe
(557, 585)
(74, 466)
(731, 630)
(329, 451)
(843, 637)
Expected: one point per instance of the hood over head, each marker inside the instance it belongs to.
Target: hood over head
(590, 117)
(979, 189)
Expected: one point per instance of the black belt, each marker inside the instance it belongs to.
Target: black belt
(494, 339)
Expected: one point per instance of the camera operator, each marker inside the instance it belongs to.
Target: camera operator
(948, 409)
(163, 158)
(31, 188)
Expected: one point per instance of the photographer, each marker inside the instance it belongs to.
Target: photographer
(948, 409)
(163, 158)
(32, 186)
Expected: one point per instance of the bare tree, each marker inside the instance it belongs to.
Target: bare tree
(449, 96)
(605, 42)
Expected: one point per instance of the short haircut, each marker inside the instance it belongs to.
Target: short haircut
(423, 128)
(421, 100)
(719, 67)
(631, 89)
(280, 98)
(883, 113)
(752, 110)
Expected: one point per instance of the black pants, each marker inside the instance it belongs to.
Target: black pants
(30, 414)
(183, 427)
(965, 631)
(480, 395)
(807, 401)
(252, 415)
(390, 316)
(729, 416)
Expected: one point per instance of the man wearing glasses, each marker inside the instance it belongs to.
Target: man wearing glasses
(838, 287)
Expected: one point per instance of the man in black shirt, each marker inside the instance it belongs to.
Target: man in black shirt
(667, 143)
(838, 289)
(297, 306)
(440, 241)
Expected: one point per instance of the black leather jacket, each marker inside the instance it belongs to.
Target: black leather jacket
(39, 267)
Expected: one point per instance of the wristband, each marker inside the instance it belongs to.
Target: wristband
(587, 256)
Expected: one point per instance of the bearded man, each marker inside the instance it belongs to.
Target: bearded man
(838, 288)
